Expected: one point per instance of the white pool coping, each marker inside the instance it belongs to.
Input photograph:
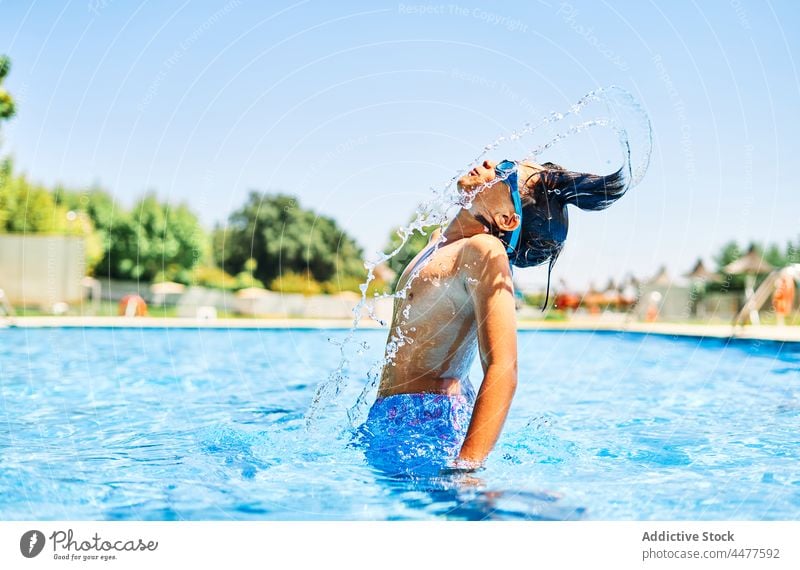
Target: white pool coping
(763, 332)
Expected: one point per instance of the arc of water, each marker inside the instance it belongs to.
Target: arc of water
(435, 212)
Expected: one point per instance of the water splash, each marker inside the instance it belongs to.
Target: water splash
(623, 114)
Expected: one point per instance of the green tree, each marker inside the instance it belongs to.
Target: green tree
(29, 208)
(284, 238)
(7, 106)
(153, 241)
(246, 278)
(729, 252)
(96, 205)
(793, 252)
(774, 256)
(6, 112)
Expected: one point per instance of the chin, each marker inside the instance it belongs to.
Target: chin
(468, 181)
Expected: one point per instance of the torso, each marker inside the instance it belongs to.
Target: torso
(444, 335)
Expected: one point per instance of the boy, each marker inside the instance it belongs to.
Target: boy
(462, 302)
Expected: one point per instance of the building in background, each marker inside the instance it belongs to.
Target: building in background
(663, 298)
(43, 271)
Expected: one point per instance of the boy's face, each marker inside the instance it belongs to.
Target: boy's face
(491, 198)
(496, 194)
(480, 175)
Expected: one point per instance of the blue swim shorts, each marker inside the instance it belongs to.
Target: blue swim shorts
(416, 434)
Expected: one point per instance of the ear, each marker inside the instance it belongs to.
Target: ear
(507, 222)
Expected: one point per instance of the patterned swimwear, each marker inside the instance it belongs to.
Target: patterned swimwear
(418, 433)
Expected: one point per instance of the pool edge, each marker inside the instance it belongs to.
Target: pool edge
(755, 333)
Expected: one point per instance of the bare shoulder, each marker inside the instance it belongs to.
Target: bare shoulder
(484, 243)
(485, 252)
(484, 261)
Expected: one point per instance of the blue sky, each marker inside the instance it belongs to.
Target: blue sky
(361, 107)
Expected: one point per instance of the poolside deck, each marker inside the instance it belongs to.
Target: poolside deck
(771, 333)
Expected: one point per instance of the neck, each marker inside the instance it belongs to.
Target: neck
(464, 225)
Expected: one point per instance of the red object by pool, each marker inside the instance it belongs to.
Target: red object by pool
(132, 306)
(783, 298)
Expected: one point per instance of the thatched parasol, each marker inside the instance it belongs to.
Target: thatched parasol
(700, 273)
(660, 278)
(750, 265)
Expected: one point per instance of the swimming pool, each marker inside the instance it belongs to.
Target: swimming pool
(207, 424)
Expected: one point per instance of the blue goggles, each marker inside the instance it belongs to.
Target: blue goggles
(507, 171)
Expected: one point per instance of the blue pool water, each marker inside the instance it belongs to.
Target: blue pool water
(208, 424)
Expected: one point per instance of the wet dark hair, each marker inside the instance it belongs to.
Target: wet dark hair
(544, 211)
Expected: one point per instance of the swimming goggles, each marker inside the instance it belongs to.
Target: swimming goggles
(507, 171)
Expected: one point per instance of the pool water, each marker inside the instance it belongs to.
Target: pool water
(208, 424)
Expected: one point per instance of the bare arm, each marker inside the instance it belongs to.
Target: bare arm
(491, 289)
